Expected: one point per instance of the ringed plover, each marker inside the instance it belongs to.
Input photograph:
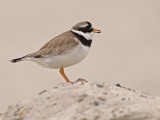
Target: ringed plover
(67, 49)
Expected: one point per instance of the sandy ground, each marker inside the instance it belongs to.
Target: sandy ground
(86, 101)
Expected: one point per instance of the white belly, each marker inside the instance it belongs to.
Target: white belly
(69, 58)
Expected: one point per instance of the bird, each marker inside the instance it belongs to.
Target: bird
(64, 50)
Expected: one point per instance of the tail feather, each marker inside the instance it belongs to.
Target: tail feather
(23, 59)
(16, 60)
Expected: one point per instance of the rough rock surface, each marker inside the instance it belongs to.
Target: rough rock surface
(86, 101)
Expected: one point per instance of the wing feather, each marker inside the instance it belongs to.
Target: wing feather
(57, 45)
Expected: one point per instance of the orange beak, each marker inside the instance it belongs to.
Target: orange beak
(96, 30)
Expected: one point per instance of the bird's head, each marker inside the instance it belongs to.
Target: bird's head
(85, 29)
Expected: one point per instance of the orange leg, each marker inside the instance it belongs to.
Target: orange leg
(63, 74)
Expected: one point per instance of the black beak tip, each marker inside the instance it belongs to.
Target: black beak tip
(99, 31)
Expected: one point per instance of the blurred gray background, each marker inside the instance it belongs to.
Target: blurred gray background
(126, 52)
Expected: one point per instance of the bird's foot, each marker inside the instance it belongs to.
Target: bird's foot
(81, 80)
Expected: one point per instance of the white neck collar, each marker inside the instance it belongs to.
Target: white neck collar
(88, 36)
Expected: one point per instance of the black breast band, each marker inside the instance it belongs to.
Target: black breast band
(83, 40)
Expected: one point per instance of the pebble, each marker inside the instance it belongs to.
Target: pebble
(100, 85)
(42, 92)
(123, 98)
(96, 103)
(82, 97)
(118, 85)
(102, 99)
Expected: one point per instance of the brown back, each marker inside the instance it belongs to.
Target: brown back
(57, 45)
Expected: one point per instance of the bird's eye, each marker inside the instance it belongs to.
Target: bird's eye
(88, 27)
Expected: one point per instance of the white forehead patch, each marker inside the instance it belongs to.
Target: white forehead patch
(88, 36)
(85, 25)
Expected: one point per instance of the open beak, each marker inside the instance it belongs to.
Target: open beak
(96, 30)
